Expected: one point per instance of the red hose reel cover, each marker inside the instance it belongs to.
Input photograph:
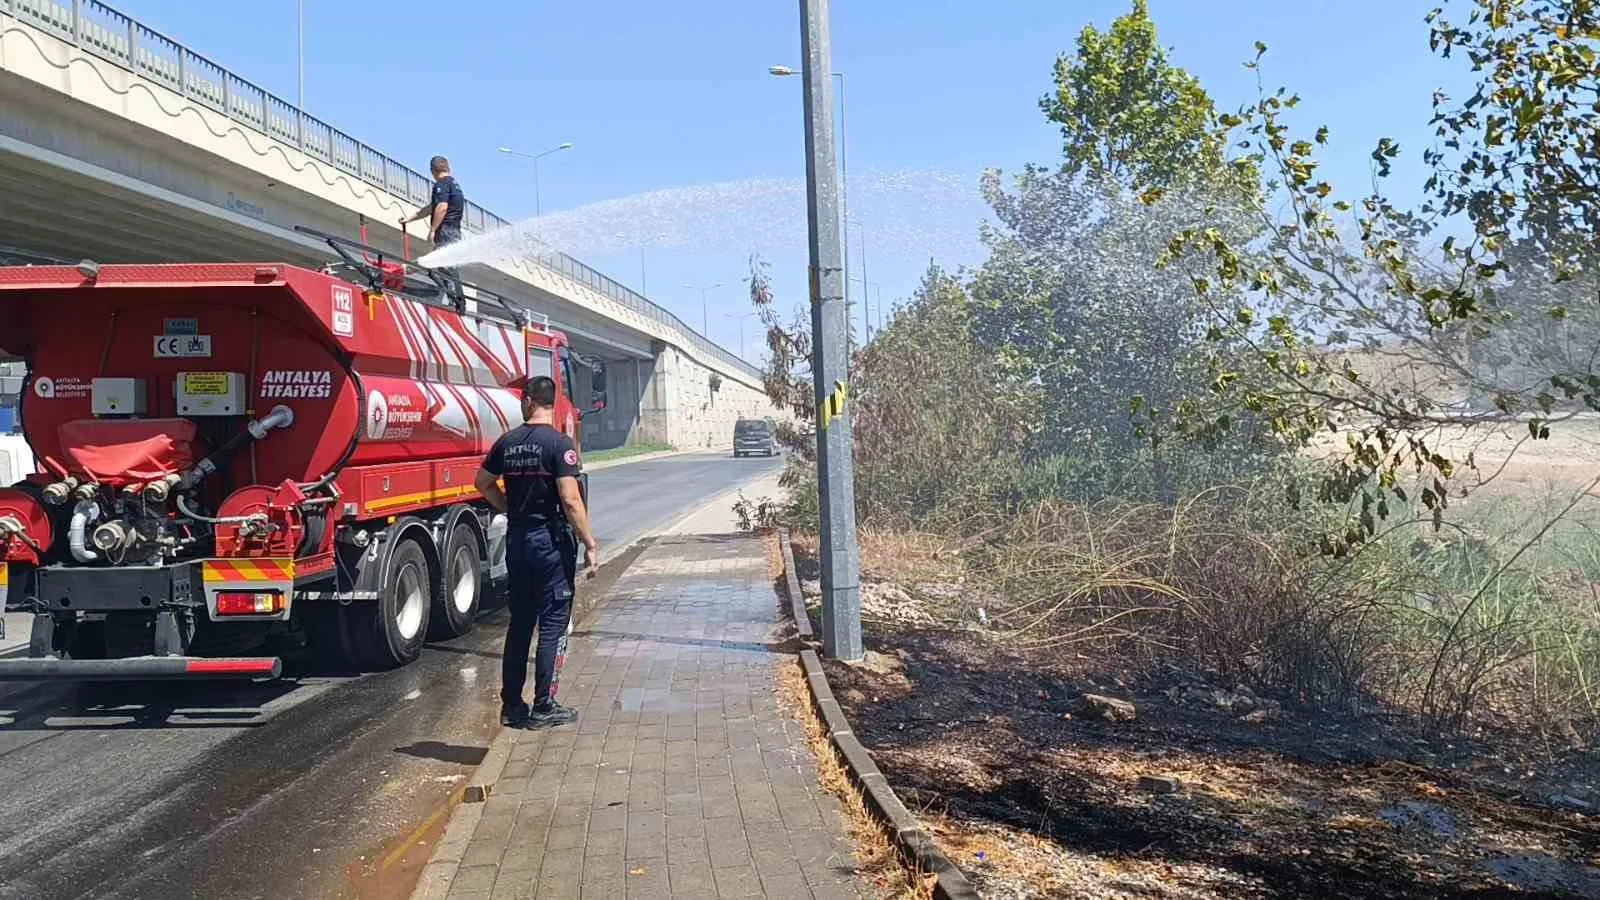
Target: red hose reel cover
(118, 452)
(27, 511)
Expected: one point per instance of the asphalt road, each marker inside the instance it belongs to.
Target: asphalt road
(285, 789)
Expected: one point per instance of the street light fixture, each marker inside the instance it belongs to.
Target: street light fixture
(844, 172)
(705, 316)
(565, 145)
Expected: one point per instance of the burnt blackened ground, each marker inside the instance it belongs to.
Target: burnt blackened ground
(1036, 797)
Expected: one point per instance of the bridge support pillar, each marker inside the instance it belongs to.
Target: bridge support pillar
(653, 380)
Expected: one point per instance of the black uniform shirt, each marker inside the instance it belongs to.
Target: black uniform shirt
(448, 191)
(530, 458)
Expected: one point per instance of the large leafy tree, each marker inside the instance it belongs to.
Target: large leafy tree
(1070, 304)
(1520, 157)
(1129, 115)
(1478, 286)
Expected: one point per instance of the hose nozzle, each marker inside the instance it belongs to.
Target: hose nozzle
(157, 491)
(57, 493)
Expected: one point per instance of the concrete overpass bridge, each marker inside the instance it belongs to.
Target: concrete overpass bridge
(119, 144)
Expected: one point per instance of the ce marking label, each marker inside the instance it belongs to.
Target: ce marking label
(182, 346)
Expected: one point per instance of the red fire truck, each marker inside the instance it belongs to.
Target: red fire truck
(236, 457)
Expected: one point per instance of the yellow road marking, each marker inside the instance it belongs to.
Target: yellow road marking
(410, 841)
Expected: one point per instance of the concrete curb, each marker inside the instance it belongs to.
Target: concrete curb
(726, 496)
(797, 598)
(916, 847)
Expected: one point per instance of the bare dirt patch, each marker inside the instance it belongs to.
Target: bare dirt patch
(1506, 459)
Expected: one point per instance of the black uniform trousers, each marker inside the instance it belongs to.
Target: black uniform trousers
(542, 563)
(448, 234)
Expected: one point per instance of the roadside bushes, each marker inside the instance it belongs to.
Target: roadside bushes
(1230, 586)
(1213, 584)
(934, 432)
(1073, 549)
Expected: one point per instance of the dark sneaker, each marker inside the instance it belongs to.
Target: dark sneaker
(549, 714)
(513, 714)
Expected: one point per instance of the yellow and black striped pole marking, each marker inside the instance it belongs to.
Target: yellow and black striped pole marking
(832, 406)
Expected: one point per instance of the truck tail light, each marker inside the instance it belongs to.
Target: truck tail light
(240, 603)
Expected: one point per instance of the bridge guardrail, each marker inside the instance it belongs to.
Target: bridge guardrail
(105, 32)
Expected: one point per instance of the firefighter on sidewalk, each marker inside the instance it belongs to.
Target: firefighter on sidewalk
(544, 508)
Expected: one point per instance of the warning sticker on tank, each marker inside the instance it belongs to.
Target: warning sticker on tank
(344, 311)
(297, 384)
(214, 383)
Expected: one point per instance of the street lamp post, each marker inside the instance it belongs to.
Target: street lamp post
(741, 317)
(844, 173)
(866, 317)
(705, 315)
(300, 54)
(840, 557)
(537, 204)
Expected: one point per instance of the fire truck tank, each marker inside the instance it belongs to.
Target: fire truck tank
(142, 369)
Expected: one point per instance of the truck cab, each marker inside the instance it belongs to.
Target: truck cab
(551, 354)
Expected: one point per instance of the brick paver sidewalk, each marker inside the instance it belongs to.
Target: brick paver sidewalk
(684, 777)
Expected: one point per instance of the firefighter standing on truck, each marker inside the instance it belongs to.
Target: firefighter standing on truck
(444, 209)
(544, 508)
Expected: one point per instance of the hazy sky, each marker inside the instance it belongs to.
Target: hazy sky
(663, 95)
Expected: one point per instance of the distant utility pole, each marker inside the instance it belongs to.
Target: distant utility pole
(841, 558)
(866, 320)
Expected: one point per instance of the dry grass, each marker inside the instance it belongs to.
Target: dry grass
(876, 858)
(910, 557)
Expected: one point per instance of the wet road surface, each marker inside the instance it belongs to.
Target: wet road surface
(281, 789)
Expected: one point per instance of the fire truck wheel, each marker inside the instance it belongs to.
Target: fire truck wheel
(456, 607)
(397, 624)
